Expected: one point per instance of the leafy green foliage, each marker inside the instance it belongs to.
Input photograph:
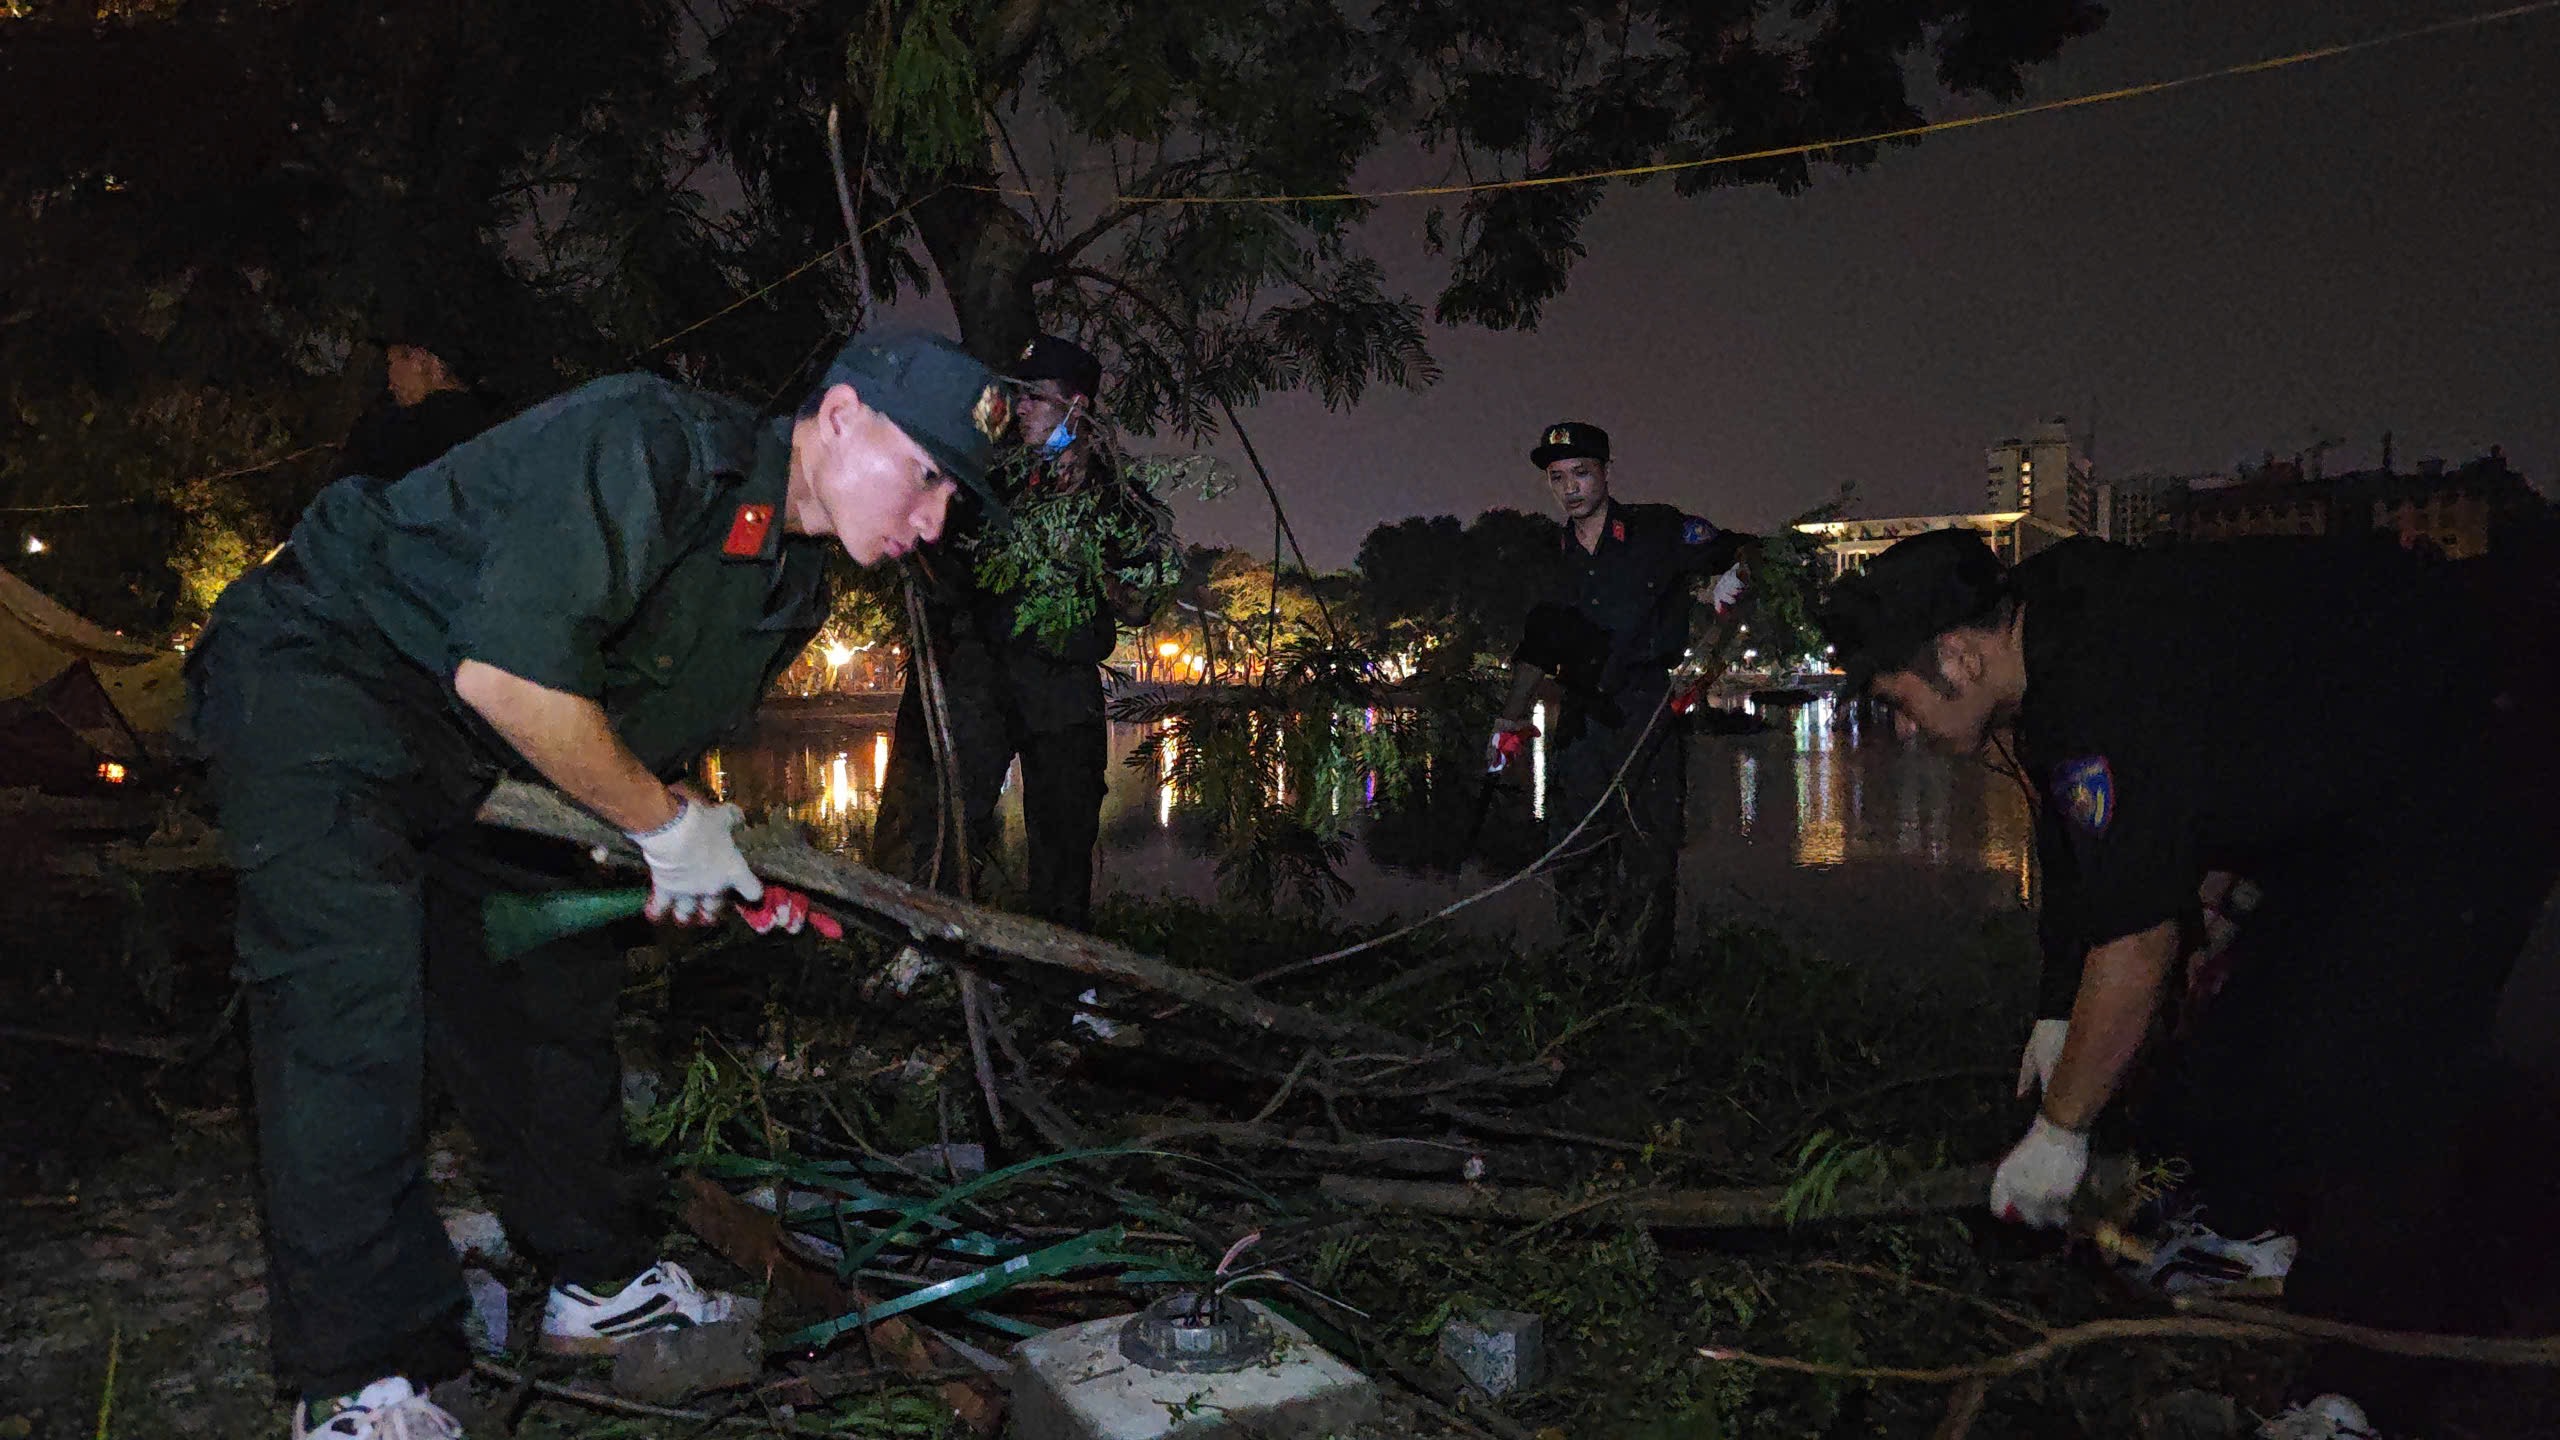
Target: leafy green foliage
(1068, 550)
(927, 98)
(1787, 577)
(718, 1095)
(1826, 1163)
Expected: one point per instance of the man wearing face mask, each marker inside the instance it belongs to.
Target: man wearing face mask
(2365, 735)
(1012, 692)
(1608, 637)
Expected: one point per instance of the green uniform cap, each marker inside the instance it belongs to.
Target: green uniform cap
(939, 394)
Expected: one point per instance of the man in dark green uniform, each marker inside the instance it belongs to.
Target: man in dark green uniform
(2349, 726)
(592, 593)
(1615, 625)
(1017, 690)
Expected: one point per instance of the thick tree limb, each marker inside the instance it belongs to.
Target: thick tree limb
(934, 917)
(1738, 1208)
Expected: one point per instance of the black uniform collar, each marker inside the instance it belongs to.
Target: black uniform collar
(1613, 531)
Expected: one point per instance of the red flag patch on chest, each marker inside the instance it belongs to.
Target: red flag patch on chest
(1617, 529)
(747, 531)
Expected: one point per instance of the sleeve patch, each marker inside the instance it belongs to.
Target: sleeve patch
(1694, 531)
(2085, 790)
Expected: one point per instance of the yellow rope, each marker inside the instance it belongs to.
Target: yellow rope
(1777, 152)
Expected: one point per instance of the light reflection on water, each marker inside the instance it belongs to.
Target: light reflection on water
(1816, 793)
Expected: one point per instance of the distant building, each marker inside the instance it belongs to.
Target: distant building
(2459, 513)
(2042, 474)
(2140, 508)
(1850, 544)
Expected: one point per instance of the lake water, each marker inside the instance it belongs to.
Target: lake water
(1845, 837)
(1837, 828)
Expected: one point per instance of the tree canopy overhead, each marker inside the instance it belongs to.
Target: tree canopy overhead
(207, 207)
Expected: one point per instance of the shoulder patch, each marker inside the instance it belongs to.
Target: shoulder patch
(2085, 790)
(747, 531)
(1694, 531)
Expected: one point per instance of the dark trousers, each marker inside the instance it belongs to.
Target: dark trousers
(1622, 884)
(2326, 1089)
(1000, 710)
(345, 799)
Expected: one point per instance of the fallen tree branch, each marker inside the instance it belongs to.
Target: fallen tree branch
(934, 917)
(2542, 1351)
(2157, 1327)
(1735, 1208)
(1402, 1155)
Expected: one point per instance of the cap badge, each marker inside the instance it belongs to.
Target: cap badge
(1560, 435)
(747, 531)
(992, 412)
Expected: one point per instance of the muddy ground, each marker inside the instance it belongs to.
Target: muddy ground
(131, 1273)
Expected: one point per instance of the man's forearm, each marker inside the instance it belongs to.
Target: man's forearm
(2119, 993)
(568, 739)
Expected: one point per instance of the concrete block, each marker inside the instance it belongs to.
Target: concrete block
(1077, 1384)
(664, 1366)
(1499, 1351)
(485, 1323)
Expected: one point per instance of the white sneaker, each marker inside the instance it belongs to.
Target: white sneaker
(2330, 1417)
(389, 1409)
(2195, 1260)
(577, 1321)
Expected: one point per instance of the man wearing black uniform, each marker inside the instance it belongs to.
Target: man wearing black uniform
(430, 408)
(1608, 637)
(1012, 690)
(2340, 721)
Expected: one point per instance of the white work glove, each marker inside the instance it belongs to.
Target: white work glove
(694, 863)
(2043, 1052)
(1726, 589)
(2035, 1184)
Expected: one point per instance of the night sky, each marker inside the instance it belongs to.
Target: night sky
(2365, 243)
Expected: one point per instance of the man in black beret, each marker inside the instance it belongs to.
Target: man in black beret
(1608, 638)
